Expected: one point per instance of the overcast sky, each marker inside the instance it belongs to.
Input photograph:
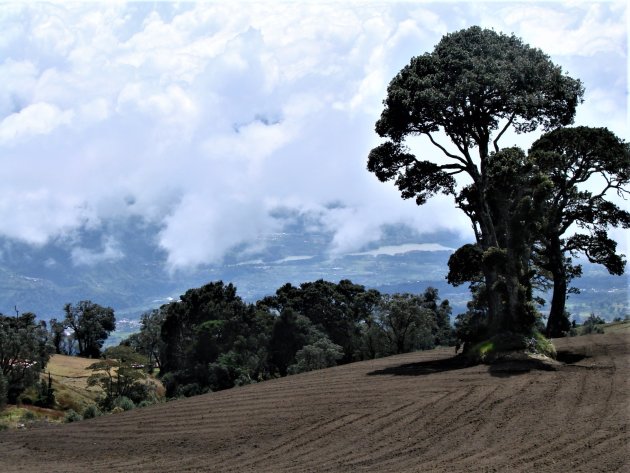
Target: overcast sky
(207, 118)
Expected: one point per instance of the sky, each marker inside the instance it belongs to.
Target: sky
(218, 122)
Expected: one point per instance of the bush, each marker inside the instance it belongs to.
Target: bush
(591, 328)
(145, 403)
(91, 411)
(28, 416)
(592, 325)
(72, 416)
(124, 403)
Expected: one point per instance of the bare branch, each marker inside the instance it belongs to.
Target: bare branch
(505, 128)
(450, 155)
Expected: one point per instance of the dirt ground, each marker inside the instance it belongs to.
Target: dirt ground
(420, 412)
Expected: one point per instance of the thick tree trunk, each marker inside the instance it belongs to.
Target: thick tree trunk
(558, 322)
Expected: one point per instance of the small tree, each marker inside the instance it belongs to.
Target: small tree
(119, 373)
(91, 324)
(148, 341)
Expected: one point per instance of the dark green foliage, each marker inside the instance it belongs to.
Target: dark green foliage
(335, 309)
(45, 393)
(570, 157)
(408, 322)
(72, 416)
(91, 324)
(57, 335)
(91, 411)
(289, 334)
(475, 85)
(23, 353)
(321, 354)
(206, 323)
(124, 403)
(592, 325)
(120, 374)
(148, 341)
(212, 340)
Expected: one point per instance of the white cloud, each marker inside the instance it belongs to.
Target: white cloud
(203, 118)
(36, 119)
(582, 28)
(88, 257)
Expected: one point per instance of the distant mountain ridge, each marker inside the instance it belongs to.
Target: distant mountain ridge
(135, 278)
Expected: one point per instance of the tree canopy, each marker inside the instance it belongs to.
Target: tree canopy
(570, 157)
(474, 86)
(24, 353)
(91, 324)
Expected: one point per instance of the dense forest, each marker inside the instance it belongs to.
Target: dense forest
(211, 339)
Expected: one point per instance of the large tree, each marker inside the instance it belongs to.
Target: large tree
(584, 164)
(91, 324)
(473, 87)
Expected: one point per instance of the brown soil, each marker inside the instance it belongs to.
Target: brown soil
(420, 412)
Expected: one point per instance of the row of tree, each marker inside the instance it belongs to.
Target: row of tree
(472, 88)
(211, 339)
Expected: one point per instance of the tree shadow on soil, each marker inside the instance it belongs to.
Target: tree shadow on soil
(422, 368)
(507, 369)
(459, 362)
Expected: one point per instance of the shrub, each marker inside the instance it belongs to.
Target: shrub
(72, 416)
(592, 325)
(28, 416)
(117, 409)
(124, 403)
(91, 411)
(591, 328)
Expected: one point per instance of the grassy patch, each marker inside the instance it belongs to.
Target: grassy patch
(23, 416)
(489, 350)
(616, 327)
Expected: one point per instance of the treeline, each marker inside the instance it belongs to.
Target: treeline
(211, 339)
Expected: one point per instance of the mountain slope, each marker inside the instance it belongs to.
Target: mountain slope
(415, 412)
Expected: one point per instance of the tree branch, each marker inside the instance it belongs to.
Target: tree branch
(450, 155)
(507, 125)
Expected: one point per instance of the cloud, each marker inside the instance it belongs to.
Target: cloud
(88, 257)
(204, 119)
(36, 119)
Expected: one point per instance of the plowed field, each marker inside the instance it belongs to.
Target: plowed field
(420, 412)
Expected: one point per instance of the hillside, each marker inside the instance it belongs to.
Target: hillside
(409, 413)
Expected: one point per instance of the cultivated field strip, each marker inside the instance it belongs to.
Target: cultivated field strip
(411, 413)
